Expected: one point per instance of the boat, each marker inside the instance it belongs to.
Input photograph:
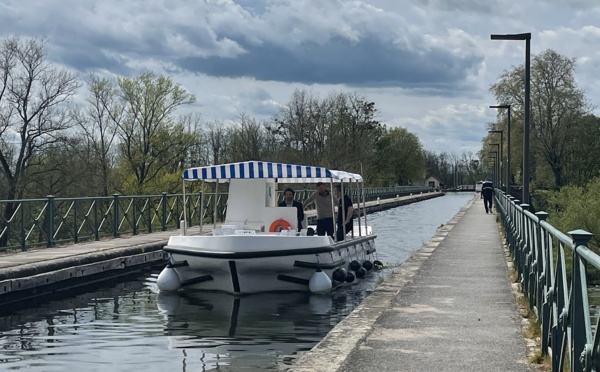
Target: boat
(258, 248)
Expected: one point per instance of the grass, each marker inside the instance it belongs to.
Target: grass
(532, 331)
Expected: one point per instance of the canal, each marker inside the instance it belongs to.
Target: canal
(124, 324)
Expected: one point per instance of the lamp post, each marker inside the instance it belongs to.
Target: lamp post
(492, 165)
(501, 153)
(495, 157)
(497, 181)
(527, 38)
(508, 178)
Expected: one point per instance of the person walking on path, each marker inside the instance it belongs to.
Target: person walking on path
(324, 203)
(487, 192)
(290, 202)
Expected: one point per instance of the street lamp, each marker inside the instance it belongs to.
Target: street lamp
(498, 174)
(492, 166)
(527, 38)
(501, 153)
(495, 157)
(508, 178)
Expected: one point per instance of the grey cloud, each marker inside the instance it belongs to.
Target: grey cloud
(368, 63)
(266, 108)
(463, 6)
(261, 50)
(90, 59)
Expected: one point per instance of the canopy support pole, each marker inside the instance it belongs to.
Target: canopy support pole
(184, 224)
(332, 208)
(215, 205)
(201, 206)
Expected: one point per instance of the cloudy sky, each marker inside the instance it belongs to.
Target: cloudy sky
(427, 64)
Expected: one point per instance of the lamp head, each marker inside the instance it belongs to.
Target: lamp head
(525, 36)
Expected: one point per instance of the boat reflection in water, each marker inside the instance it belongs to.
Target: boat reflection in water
(257, 331)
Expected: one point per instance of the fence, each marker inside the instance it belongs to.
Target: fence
(554, 269)
(51, 221)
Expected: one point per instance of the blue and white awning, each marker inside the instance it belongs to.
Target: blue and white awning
(284, 173)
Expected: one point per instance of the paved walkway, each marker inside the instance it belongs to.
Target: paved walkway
(450, 307)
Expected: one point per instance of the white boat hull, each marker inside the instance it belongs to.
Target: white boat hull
(258, 263)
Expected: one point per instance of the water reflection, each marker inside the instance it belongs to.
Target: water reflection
(190, 331)
(249, 332)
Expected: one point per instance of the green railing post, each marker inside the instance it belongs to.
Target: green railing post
(116, 216)
(544, 302)
(149, 214)
(96, 227)
(579, 305)
(134, 220)
(521, 255)
(23, 242)
(50, 221)
(75, 232)
(164, 212)
(515, 224)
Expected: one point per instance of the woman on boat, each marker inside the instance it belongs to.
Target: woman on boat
(324, 203)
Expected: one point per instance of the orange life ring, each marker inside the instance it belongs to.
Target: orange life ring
(279, 225)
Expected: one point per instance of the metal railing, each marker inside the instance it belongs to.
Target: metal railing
(553, 270)
(52, 221)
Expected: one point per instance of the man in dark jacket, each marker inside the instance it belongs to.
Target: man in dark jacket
(345, 214)
(487, 192)
(289, 201)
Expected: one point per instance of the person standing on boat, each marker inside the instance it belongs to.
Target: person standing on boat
(324, 203)
(345, 213)
(289, 201)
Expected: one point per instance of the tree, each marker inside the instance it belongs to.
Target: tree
(339, 132)
(151, 141)
(248, 140)
(300, 127)
(576, 207)
(33, 103)
(99, 132)
(62, 169)
(584, 150)
(440, 166)
(34, 99)
(404, 158)
(217, 137)
(556, 106)
(353, 133)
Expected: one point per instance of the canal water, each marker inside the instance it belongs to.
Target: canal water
(126, 325)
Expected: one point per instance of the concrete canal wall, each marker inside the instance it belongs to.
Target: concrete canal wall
(45, 271)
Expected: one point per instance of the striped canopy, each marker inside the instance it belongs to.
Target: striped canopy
(284, 173)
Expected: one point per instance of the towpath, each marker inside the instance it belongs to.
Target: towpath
(450, 307)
